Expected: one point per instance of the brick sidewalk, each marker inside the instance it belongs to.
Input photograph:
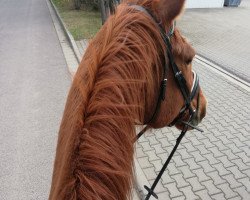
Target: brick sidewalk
(221, 35)
(212, 165)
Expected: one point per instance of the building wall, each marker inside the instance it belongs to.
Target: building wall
(204, 3)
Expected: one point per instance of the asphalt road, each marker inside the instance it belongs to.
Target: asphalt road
(33, 86)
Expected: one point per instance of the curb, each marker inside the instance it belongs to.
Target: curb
(68, 34)
(226, 74)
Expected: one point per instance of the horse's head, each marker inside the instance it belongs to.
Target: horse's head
(176, 107)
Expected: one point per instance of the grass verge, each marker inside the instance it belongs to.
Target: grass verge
(82, 24)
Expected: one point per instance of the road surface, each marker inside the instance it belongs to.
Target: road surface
(33, 86)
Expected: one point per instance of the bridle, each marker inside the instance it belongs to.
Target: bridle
(179, 78)
(187, 95)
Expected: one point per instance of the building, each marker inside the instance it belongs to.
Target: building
(204, 3)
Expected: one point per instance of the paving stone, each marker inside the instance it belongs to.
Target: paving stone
(233, 148)
(236, 172)
(216, 152)
(244, 157)
(144, 162)
(206, 166)
(152, 140)
(158, 149)
(217, 179)
(225, 139)
(246, 149)
(180, 180)
(221, 169)
(164, 142)
(236, 125)
(178, 161)
(179, 198)
(187, 173)
(170, 137)
(211, 187)
(201, 175)
(240, 164)
(140, 153)
(220, 128)
(143, 138)
(203, 194)
(246, 182)
(200, 136)
(172, 169)
(159, 187)
(203, 150)
(150, 173)
(195, 184)
(146, 146)
(188, 193)
(232, 181)
(211, 159)
(184, 154)
(211, 135)
(236, 198)
(159, 136)
(246, 172)
(226, 163)
(219, 196)
(238, 143)
(246, 126)
(198, 157)
(194, 141)
(242, 192)
(169, 149)
(157, 165)
(163, 157)
(166, 178)
(190, 148)
(208, 144)
(151, 155)
(247, 143)
(185, 139)
(165, 196)
(230, 155)
(173, 190)
(192, 164)
(229, 193)
(242, 135)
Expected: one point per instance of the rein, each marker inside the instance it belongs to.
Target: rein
(187, 95)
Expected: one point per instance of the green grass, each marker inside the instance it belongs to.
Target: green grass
(82, 24)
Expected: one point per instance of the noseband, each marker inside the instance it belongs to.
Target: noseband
(186, 93)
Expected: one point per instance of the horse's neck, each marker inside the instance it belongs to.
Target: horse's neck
(95, 151)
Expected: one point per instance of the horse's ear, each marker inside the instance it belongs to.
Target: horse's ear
(168, 9)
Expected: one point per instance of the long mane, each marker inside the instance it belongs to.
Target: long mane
(117, 79)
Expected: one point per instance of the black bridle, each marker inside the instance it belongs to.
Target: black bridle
(187, 95)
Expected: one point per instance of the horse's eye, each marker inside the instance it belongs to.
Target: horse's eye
(189, 61)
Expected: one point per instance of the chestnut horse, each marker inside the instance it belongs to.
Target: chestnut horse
(115, 87)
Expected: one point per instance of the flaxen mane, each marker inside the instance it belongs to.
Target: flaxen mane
(117, 79)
